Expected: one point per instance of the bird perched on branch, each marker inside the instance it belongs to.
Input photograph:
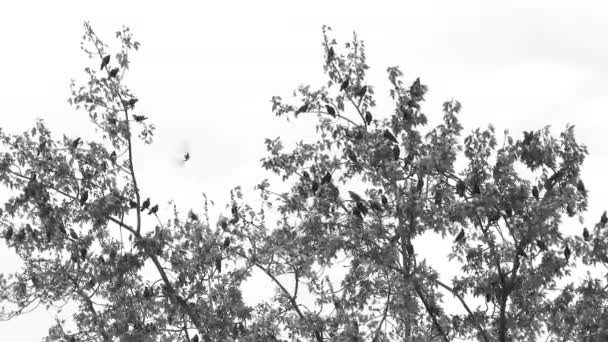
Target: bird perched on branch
(153, 210)
(146, 204)
(104, 62)
(139, 118)
(330, 110)
(113, 72)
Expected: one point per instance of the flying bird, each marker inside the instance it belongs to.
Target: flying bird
(113, 72)
(389, 136)
(330, 110)
(145, 204)
(105, 61)
(153, 210)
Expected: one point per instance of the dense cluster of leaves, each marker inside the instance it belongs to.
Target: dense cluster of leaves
(363, 194)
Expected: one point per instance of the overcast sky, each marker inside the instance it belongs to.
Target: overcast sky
(206, 71)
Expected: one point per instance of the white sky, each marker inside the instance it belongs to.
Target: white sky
(207, 70)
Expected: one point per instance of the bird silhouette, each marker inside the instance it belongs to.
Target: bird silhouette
(113, 157)
(330, 110)
(302, 109)
(586, 234)
(146, 204)
(361, 92)
(326, 179)
(535, 192)
(368, 117)
(389, 136)
(75, 143)
(460, 236)
(84, 197)
(331, 54)
(396, 152)
(567, 253)
(139, 118)
(344, 84)
(226, 242)
(461, 188)
(113, 72)
(186, 157)
(153, 210)
(105, 61)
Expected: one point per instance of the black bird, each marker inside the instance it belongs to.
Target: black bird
(326, 179)
(389, 136)
(153, 210)
(354, 196)
(145, 204)
(476, 189)
(302, 109)
(509, 211)
(460, 236)
(352, 156)
(567, 253)
(8, 233)
(113, 73)
(218, 263)
(226, 242)
(139, 118)
(396, 152)
(416, 88)
(331, 54)
(361, 92)
(535, 192)
(315, 186)
(586, 234)
(604, 219)
(368, 117)
(132, 102)
(419, 184)
(305, 176)
(105, 61)
(193, 216)
(113, 157)
(132, 204)
(375, 206)
(461, 188)
(84, 197)
(580, 186)
(330, 110)
(344, 84)
(569, 210)
(186, 157)
(438, 198)
(75, 143)
(384, 200)
(521, 252)
(541, 245)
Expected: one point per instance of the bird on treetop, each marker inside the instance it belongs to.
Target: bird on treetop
(105, 61)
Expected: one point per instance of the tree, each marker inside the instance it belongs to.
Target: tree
(362, 196)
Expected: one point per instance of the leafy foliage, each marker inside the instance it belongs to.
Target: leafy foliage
(363, 195)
